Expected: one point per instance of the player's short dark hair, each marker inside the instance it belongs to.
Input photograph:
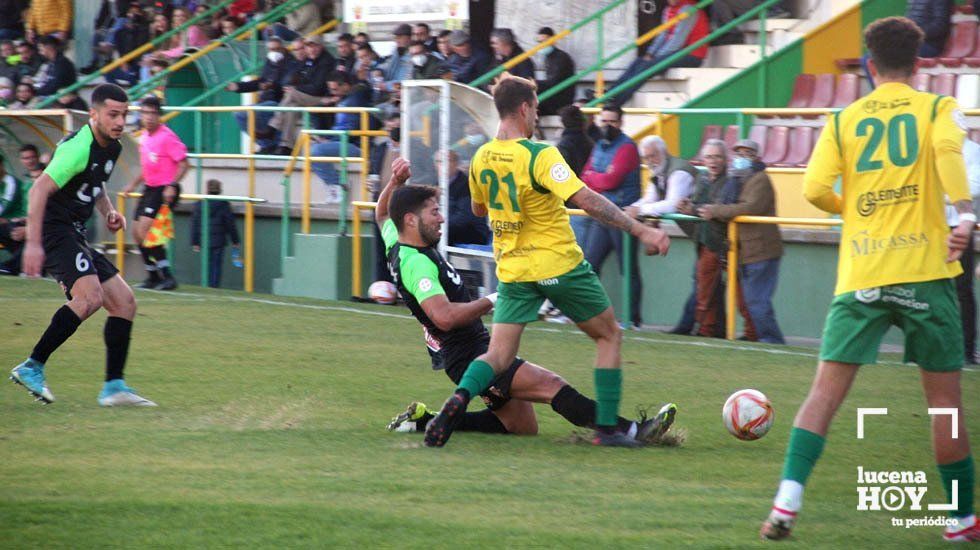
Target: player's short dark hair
(571, 117)
(893, 43)
(152, 102)
(613, 108)
(104, 92)
(409, 200)
(511, 92)
(28, 147)
(214, 184)
(346, 37)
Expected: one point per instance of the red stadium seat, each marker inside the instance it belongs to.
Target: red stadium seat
(802, 91)
(848, 90)
(777, 145)
(972, 59)
(928, 62)
(760, 135)
(823, 91)
(944, 84)
(800, 147)
(922, 81)
(961, 44)
(732, 135)
(966, 9)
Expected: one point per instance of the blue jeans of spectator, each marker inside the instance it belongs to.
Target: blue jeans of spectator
(640, 65)
(758, 281)
(328, 170)
(216, 256)
(262, 119)
(597, 242)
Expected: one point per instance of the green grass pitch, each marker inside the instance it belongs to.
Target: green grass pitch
(270, 432)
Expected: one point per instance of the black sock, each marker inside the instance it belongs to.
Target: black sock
(159, 255)
(484, 421)
(116, 334)
(148, 261)
(579, 409)
(64, 323)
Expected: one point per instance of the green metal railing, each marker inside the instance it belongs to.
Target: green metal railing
(133, 54)
(759, 10)
(273, 15)
(597, 17)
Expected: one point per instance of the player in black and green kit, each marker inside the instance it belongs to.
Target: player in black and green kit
(410, 224)
(60, 202)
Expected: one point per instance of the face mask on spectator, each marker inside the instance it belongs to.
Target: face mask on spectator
(741, 165)
(395, 134)
(274, 57)
(610, 133)
(419, 60)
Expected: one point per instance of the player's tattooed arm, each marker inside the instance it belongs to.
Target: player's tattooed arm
(603, 210)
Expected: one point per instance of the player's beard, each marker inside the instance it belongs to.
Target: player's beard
(429, 233)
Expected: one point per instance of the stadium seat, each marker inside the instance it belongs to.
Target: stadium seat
(802, 91)
(961, 44)
(928, 62)
(922, 81)
(968, 91)
(848, 90)
(800, 147)
(823, 91)
(777, 144)
(731, 135)
(944, 84)
(966, 9)
(972, 59)
(760, 135)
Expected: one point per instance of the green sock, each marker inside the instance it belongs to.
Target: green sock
(801, 456)
(608, 388)
(476, 378)
(963, 472)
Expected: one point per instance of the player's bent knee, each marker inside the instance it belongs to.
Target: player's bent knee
(88, 300)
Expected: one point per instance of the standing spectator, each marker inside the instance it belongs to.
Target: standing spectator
(221, 230)
(425, 65)
(672, 180)
(49, 18)
(346, 53)
(468, 61)
(24, 97)
(666, 44)
(933, 17)
(464, 226)
(444, 48)
(749, 192)
(269, 85)
(964, 281)
(421, 32)
(12, 22)
(575, 146)
(344, 92)
(558, 66)
(399, 64)
(309, 89)
(30, 161)
(30, 62)
(613, 171)
(57, 72)
(505, 48)
(163, 161)
(131, 31)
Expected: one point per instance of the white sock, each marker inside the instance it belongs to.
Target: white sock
(789, 497)
(962, 523)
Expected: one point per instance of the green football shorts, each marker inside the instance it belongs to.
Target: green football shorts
(578, 294)
(928, 313)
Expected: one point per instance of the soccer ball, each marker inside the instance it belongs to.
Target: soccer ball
(748, 414)
(383, 292)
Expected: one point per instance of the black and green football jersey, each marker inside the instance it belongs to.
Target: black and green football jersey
(80, 167)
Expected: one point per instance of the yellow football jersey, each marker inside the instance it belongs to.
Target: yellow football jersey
(524, 186)
(897, 151)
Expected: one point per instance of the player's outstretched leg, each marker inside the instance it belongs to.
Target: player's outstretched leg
(413, 419)
(806, 442)
(121, 306)
(30, 374)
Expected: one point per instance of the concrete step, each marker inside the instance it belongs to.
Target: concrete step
(736, 56)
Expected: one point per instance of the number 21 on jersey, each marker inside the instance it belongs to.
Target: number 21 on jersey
(489, 177)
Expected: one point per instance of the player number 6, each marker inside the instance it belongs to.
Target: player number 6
(81, 264)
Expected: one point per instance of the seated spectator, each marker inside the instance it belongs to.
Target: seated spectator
(933, 17)
(346, 53)
(672, 179)
(344, 92)
(749, 192)
(221, 230)
(71, 101)
(306, 90)
(30, 62)
(30, 162)
(12, 22)
(124, 75)
(57, 72)
(269, 84)
(367, 61)
(724, 11)
(421, 32)
(464, 226)
(468, 61)
(398, 67)
(130, 31)
(192, 37)
(425, 65)
(229, 25)
(102, 50)
(6, 92)
(8, 61)
(362, 38)
(575, 146)
(666, 44)
(49, 18)
(13, 213)
(159, 26)
(558, 66)
(505, 48)
(24, 97)
(445, 49)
